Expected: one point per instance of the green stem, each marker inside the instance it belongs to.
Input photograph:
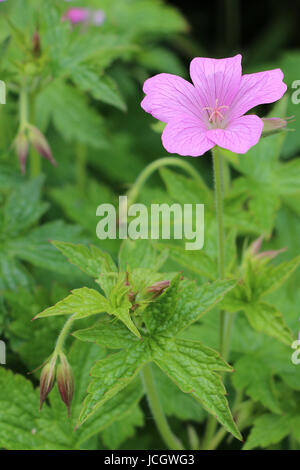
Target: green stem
(35, 159)
(162, 424)
(81, 158)
(62, 336)
(218, 180)
(225, 322)
(161, 162)
(23, 108)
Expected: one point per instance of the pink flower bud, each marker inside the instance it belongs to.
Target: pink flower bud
(39, 141)
(255, 248)
(47, 380)
(22, 149)
(158, 287)
(270, 254)
(65, 381)
(256, 245)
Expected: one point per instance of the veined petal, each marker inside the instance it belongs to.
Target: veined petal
(258, 88)
(216, 79)
(168, 95)
(240, 135)
(186, 135)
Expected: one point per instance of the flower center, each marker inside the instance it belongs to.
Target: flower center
(215, 115)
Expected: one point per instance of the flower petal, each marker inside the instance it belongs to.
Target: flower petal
(240, 135)
(216, 79)
(186, 135)
(168, 95)
(258, 88)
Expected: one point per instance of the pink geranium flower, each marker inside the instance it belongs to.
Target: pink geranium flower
(211, 111)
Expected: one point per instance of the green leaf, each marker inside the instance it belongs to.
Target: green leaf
(23, 427)
(32, 341)
(175, 402)
(269, 320)
(71, 115)
(36, 248)
(101, 88)
(260, 372)
(141, 254)
(274, 276)
(122, 311)
(195, 261)
(266, 181)
(186, 190)
(91, 260)
(260, 279)
(254, 376)
(192, 367)
(123, 429)
(81, 303)
(268, 429)
(178, 307)
(111, 375)
(23, 207)
(12, 273)
(108, 333)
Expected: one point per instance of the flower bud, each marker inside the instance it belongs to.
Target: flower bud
(36, 44)
(158, 287)
(47, 380)
(22, 149)
(38, 140)
(255, 247)
(65, 381)
(274, 125)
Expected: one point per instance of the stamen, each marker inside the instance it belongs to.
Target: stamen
(215, 112)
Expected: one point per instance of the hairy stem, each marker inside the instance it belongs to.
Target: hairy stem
(62, 336)
(162, 424)
(225, 321)
(23, 107)
(218, 180)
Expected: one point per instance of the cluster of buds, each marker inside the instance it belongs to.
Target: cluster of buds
(64, 378)
(85, 16)
(31, 135)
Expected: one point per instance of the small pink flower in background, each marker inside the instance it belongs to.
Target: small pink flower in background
(85, 16)
(211, 111)
(98, 17)
(77, 15)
